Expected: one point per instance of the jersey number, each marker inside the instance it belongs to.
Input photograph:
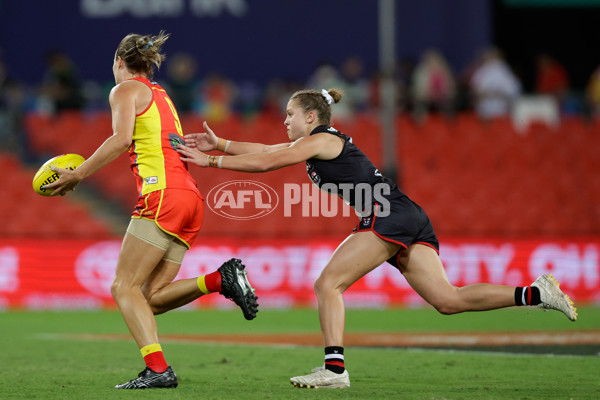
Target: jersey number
(175, 116)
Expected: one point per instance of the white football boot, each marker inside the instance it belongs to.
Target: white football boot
(553, 298)
(322, 378)
(319, 368)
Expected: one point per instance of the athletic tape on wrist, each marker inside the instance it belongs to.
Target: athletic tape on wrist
(219, 141)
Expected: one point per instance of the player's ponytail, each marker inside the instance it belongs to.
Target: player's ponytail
(335, 94)
(141, 53)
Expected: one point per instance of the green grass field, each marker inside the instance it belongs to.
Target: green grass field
(41, 359)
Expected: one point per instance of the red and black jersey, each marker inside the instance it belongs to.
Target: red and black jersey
(382, 207)
(351, 175)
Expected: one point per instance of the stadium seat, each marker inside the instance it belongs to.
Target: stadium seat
(472, 177)
(31, 215)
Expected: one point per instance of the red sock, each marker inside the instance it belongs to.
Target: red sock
(213, 281)
(154, 358)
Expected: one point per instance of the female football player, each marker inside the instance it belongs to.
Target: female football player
(392, 229)
(168, 214)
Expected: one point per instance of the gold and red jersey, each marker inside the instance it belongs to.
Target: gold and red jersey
(155, 161)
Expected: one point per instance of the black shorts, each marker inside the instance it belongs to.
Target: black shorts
(406, 224)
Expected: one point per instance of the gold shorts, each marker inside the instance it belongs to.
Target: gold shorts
(148, 231)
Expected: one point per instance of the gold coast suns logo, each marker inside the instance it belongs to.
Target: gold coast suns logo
(242, 199)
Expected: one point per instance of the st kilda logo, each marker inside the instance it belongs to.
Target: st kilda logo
(242, 200)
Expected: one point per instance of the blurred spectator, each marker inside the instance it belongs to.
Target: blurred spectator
(432, 85)
(61, 85)
(354, 85)
(181, 81)
(405, 69)
(494, 86)
(401, 80)
(326, 76)
(374, 96)
(217, 97)
(273, 98)
(552, 79)
(592, 92)
(277, 94)
(249, 98)
(12, 110)
(464, 96)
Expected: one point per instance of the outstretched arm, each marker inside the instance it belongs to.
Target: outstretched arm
(322, 146)
(207, 141)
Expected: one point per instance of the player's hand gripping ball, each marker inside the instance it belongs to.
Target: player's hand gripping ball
(45, 175)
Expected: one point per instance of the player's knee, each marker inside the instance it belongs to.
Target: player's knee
(156, 310)
(116, 288)
(119, 289)
(148, 293)
(446, 300)
(446, 309)
(319, 285)
(155, 305)
(446, 305)
(323, 284)
(326, 283)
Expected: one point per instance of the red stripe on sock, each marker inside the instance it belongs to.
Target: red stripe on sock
(336, 363)
(213, 281)
(156, 362)
(528, 295)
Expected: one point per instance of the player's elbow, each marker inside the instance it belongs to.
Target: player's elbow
(122, 144)
(120, 141)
